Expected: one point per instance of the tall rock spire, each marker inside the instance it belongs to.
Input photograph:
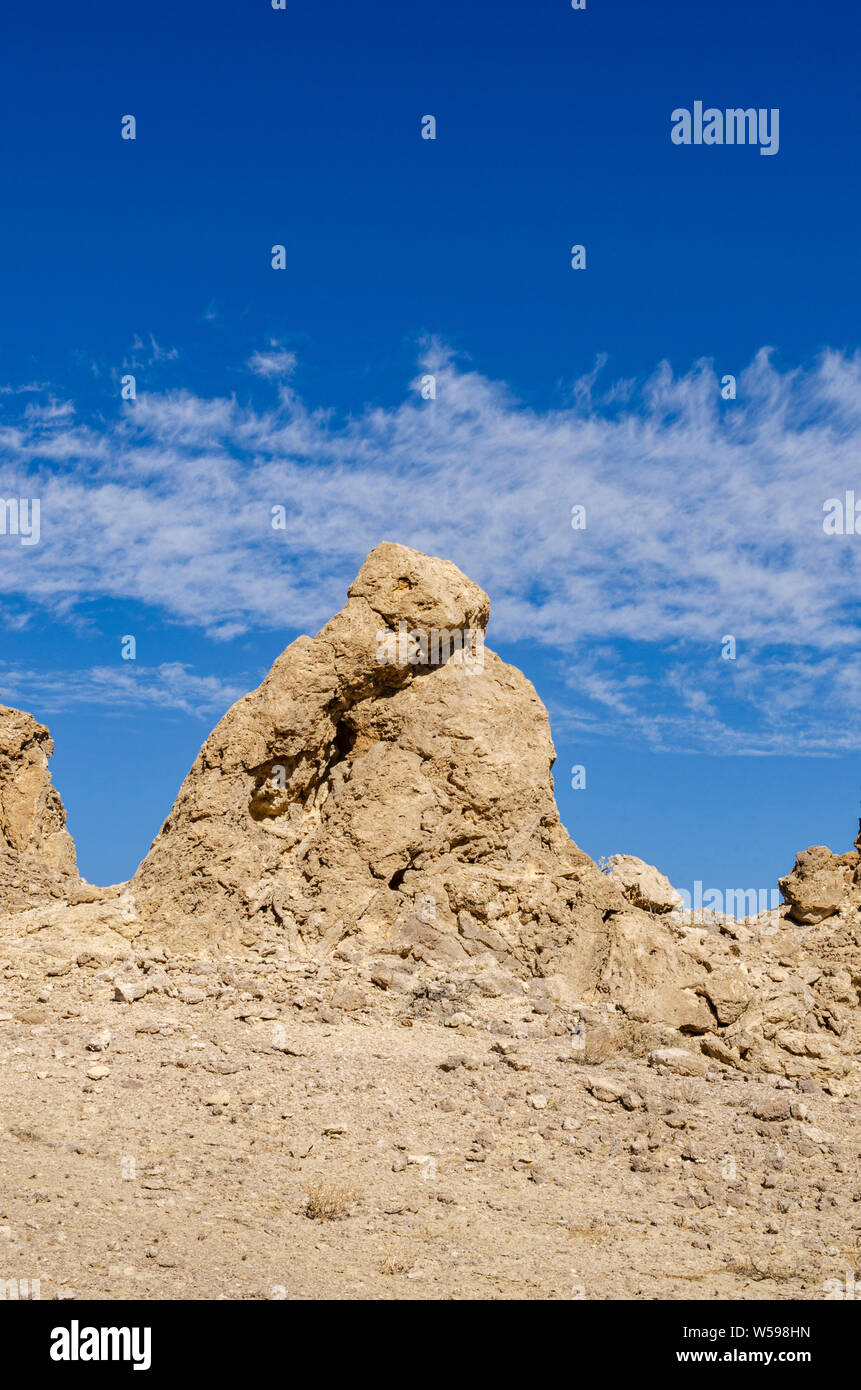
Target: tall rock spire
(390, 769)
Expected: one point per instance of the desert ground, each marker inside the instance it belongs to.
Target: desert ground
(253, 1130)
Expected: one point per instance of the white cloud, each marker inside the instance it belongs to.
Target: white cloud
(148, 354)
(704, 518)
(172, 685)
(50, 413)
(274, 363)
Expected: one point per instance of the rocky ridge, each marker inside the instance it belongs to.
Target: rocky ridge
(370, 803)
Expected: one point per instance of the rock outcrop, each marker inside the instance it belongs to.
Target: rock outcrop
(36, 849)
(821, 882)
(386, 791)
(379, 814)
(644, 885)
(391, 777)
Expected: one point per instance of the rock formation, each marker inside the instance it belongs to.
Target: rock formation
(32, 818)
(379, 791)
(644, 885)
(36, 849)
(384, 799)
(821, 883)
(390, 777)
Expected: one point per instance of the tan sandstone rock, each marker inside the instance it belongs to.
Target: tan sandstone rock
(360, 792)
(381, 788)
(35, 846)
(382, 808)
(818, 884)
(644, 885)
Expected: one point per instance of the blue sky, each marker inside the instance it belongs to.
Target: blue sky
(555, 387)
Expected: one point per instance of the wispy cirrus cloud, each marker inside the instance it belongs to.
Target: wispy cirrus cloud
(273, 363)
(172, 685)
(704, 518)
(147, 354)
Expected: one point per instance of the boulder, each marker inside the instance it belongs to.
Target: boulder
(729, 992)
(818, 884)
(650, 975)
(679, 1061)
(644, 885)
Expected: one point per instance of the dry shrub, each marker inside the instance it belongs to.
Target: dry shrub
(687, 1090)
(639, 1039)
(329, 1201)
(778, 1268)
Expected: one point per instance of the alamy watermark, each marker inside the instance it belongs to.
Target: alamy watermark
(77, 1343)
(13, 1290)
(848, 1289)
(842, 515)
(20, 516)
(734, 126)
(738, 903)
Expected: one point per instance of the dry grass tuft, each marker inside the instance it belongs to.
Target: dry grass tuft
(639, 1039)
(777, 1268)
(687, 1091)
(329, 1201)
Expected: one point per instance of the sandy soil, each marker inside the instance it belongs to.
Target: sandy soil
(260, 1129)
